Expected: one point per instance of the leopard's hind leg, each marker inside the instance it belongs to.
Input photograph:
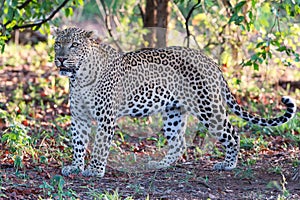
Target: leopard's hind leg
(231, 141)
(208, 107)
(174, 127)
(218, 125)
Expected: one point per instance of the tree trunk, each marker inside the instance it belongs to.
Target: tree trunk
(156, 15)
(150, 22)
(163, 11)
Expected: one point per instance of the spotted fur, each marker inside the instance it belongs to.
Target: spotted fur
(174, 81)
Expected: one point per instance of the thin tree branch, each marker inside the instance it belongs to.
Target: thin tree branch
(107, 22)
(142, 11)
(178, 12)
(188, 33)
(40, 22)
(24, 4)
(228, 7)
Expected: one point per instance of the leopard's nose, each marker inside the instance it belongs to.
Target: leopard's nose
(61, 59)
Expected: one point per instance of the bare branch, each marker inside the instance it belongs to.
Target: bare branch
(107, 22)
(142, 11)
(228, 7)
(188, 33)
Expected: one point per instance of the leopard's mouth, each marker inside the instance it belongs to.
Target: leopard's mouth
(65, 71)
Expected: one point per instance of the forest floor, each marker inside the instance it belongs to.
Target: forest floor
(189, 180)
(34, 145)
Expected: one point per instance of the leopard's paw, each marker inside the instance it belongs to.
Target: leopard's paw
(71, 169)
(224, 166)
(92, 172)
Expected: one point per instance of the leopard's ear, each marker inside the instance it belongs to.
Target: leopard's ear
(88, 34)
(56, 32)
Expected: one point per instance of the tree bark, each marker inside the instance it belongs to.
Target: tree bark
(163, 11)
(156, 15)
(150, 22)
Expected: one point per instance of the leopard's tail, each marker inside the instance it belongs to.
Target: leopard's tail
(290, 112)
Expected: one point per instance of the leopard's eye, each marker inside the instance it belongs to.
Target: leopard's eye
(75, 44)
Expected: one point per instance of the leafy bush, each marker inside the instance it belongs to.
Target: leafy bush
(32, 14)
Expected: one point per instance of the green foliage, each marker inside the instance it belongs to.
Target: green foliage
(90, 11)
(32, 14)
(18, 141)
(16, 137)
(258, 18)
(56, 189)
(236, 18)
(248, 33)
(29, 136)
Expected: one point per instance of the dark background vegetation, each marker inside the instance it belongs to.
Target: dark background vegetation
(256, 43)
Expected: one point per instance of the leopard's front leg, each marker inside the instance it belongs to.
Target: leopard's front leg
(80, 129)
(103, 139)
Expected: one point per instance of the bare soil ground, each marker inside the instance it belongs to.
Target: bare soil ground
(191, 180)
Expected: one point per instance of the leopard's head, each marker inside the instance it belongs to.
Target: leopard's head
(71, 47)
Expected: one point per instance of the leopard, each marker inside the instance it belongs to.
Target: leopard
(106, 84)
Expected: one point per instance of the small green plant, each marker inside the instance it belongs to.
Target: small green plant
(296, 162)
(206, 179)
(160, 140)
(276, 170)
(44, 159)
(247, 143)
(108, 195)
(16, 137)
(250, 162)
(246, 171)
(19, 143)
(18, 163)
(216, 151)
(198, 152)
(256, 142)
(56, 189)
(121, 135)
(47, 188)
(281, 187)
